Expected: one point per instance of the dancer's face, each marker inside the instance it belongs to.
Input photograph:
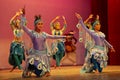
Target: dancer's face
(97, 27)
(57, 25)
(39, 25)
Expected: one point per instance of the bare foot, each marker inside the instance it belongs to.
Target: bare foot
(12, 68)
(47, 74)
(96, 71)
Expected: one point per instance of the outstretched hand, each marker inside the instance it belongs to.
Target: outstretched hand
(90, 16)
(112, 50)
(63, 17)
(18, 13)
(57, 17)
(78, 16)
(97, 17)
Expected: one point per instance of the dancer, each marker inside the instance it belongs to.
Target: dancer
(88, 43)
(17, 47)
(38, 59)
(98, 53)
(56, 30)
(70, 42)
(70, 48)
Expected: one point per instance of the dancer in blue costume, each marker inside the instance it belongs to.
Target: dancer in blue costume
(98, 54)
(38, 59)
(17, 47)
(56, 30)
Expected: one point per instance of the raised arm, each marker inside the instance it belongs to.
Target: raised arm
(23, 25)
(90, 17)
(13, 20)
(52, 22)
(83, 25)
(65, 24)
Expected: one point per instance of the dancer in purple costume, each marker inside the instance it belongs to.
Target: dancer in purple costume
(99, 51)
(39, 52)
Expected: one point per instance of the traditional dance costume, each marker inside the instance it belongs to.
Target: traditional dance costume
(38, 59)
(16, 48)
(97, 57)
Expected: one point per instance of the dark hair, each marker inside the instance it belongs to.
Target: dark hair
(23, 10)
(37, 19)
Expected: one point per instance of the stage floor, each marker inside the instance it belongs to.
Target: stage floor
(66, 73)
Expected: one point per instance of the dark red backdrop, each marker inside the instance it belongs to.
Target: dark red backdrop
(109, 11)
(114, 30)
